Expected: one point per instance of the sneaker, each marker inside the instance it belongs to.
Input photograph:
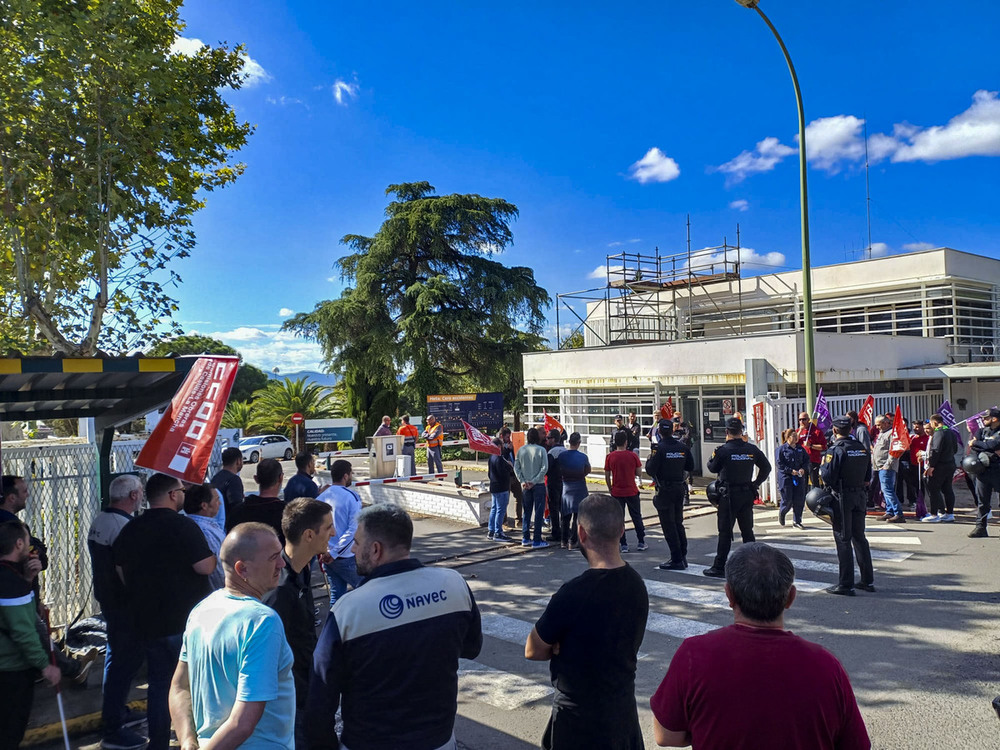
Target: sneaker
(948, 518)
(123, 739)
(133, 718)
(714, 573)
(671, 565)
(886, 517)
(540, 545)
(840, 590)
(624, 548)
(490, 535)
(978, 533)
(642, 547)
(525, 542)
(869, 587)
(781, 518)
(930, 518)
(799, 525)
(896, 519)
(86, 662)
(555, 538)
(501, 537)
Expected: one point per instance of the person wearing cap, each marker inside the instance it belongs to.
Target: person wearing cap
(734, 462)
(986, 439)
(635, 433)
(434, 434)
(619, 427)
(847, 470)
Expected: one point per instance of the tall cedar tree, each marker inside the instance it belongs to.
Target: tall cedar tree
(427, 303)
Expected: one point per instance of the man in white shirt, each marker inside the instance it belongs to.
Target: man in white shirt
(339, 564)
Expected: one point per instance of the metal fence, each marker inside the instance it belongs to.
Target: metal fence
(63, 499)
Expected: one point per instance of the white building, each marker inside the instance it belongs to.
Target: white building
(910, 329)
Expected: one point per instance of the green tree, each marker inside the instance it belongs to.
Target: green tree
(274, 405)
(108, 143)
(573, 341)
(239, 416)
(249, 378)
(428, 300)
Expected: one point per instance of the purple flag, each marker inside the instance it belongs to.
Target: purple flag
(975, 422)
(949, 419)
(822, 412)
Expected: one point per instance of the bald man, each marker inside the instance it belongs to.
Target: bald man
(233, 683)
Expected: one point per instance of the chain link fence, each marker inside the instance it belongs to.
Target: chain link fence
(63, 498)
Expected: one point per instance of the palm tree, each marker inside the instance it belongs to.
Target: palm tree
(274, 405)
(238, 415)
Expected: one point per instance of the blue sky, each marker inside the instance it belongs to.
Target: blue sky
(606, 125)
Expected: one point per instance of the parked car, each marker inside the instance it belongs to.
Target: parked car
(266, 446)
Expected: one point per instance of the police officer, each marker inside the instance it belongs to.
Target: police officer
(682, 432)
(668, 465)
(619, 427)
(986, 439)
(734, 461)
(846, 469)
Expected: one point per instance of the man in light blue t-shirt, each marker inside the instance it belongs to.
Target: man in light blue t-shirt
(234, 682)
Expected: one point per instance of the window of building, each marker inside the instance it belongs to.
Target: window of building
(853, 320)
(908, 322)
(880, 320)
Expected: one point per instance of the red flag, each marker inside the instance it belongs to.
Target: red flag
(667, 410)
(867, 412)
(899, 443)
(478, 441)
(551, 423)
(181, 444)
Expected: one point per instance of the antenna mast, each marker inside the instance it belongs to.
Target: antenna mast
(868, 195)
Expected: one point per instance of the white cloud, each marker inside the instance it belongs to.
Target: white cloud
(333, 279)
(739, 205)
(342, 91)
(270, 349)
(285, 312)
(602, 271)
(750, 259)
(916, 247)
(286, 101)
(879, 250)
(626, 242)
(253, 71)
(830, 141)
(655, 166)
(974, 132)
(767, 154)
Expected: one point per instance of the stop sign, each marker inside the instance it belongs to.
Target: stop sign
(297, 418)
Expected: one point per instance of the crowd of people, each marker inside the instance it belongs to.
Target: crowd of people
(212, 589)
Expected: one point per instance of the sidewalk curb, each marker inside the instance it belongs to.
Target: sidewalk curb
(75, 726)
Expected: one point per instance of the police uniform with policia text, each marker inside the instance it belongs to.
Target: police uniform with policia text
(668, 465)
(734, 462)
(846, 469)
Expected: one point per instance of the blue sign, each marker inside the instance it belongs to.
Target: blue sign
(330, 430)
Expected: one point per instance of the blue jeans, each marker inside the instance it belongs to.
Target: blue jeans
(534, 500)
(121, 663)
(161, 661)
(434, 465)
(341, 573)
(498, 511)
(887, 478)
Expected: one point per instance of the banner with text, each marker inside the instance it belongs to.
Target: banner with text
(181, 444)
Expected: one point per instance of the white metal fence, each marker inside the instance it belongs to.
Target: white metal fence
(63, 499)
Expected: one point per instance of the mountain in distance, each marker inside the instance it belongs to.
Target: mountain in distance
(321, 378)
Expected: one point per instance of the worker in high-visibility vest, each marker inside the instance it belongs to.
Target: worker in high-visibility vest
(410, 435)
(434, 434)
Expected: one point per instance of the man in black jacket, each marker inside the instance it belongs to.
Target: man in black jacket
(500, 472)
(668, 465)
(986, 440)
(228, 481)
(940, 470)
(307, 525)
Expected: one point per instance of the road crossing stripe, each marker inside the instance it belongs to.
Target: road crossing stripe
(689, 594)
(768, 526)
(800, 564)
(877, 554)
(504, 690)
(909, 540)
(677, 627)
(805, 521)
(505, 628)
(694, 569)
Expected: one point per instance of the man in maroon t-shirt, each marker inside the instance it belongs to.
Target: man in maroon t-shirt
(720, 687)
(812, 439)
(621, 467)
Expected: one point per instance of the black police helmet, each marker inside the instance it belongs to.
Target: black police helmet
(713, 494)
(973, 463)
(820, 501)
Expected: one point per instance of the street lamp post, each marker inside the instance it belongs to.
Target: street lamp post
(807, 322)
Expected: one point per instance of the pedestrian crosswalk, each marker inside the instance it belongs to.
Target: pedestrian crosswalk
(683, 604)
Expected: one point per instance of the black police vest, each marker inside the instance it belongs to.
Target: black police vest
(668, 461)
(988, 433)
(854, 462)
(737, 463)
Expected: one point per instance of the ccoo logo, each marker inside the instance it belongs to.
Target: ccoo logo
(391, 606)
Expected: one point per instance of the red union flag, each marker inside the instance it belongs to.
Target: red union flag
(478, 441)
(867, 412)
(667, 410)
(181, 444)
(899, 443)
(551, 423)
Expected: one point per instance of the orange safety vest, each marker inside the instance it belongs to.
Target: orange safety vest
(409, 433)
(434, 436)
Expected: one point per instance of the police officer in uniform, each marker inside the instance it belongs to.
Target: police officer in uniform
(846, 469)
(986, 440)
(668, 465)
(734, 462)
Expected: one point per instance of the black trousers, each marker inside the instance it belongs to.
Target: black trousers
(813, 475)
(736, 509)
(17, 691)
(986, 485)
(635, 512)
(555, 511)
(518, 494)
(855, 544)
(907, 482)
(568, 527)
(938, 485)
(669, 504)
